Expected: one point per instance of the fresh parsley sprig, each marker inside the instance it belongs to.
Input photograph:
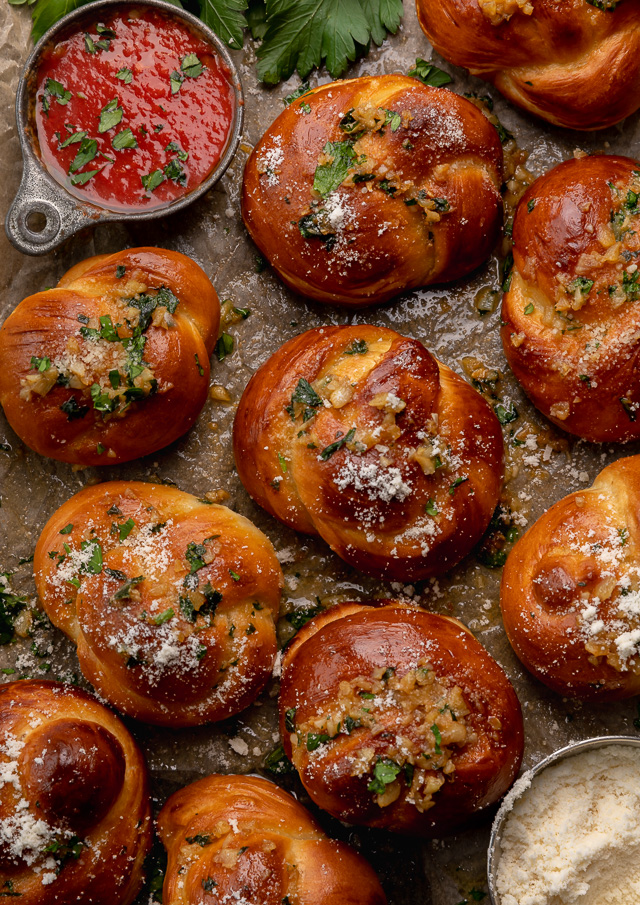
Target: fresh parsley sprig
(295, 34)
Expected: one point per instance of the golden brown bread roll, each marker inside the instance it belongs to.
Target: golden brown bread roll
(359, 435)
(75, 817)
(574, 63)
(570, 593)
(571, 329)
(113, 363)
(171, 601)
(408, 724)
(364, 188)
(242, 839)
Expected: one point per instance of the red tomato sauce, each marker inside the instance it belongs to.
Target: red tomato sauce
(142, 71)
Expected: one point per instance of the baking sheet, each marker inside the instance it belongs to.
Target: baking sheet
(445, 319)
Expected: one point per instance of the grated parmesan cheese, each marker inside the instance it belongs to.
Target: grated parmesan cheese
(573, 837)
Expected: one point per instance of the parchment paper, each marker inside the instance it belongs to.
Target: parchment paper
(443, 872)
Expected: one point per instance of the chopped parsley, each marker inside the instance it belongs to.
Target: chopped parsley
(315, 739)
(224, 346)
(191, 66)
(126, 528)
(200, 839)
(301, 616)
(305, 395)
(11, 605)
(581, 285)
(429, 74)
(94, 565)
(505, 415)
(124, 592)
(57, 91)
(332, 448)
(110, 116)
(125, 75)
(384, 773)
(278, 763)
(151, 181)
(357, 347)
(124, 139)
(86, 152)
(456, 484)
(329, 176)
(40, 364)
(72, 410)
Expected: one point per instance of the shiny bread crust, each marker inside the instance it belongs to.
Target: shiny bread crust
(425, 207)
(50, 325)
(571, 322)
(569, 63)
(78, 793)
(422, 494)
(175, 624)
(569, 595)
(363, 639)
(243, 837)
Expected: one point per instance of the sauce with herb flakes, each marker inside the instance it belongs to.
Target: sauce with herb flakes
(135, 112)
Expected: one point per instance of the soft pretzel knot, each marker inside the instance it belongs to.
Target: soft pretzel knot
(570, 592)
(364, 188)
(574, 64)
(75, 816)
(113, 363)
(171, 601)
(409, 725)
(359, 435)
(241, 838)
(571, 330)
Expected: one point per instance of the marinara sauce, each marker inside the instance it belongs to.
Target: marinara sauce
(134, 112)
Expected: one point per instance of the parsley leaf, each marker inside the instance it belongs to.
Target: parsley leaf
(151, 181)
(110, 115)
(191, 66)
(124, 139)
(329, 176)
(332, 448)
(384, 773)
(226, 18)
(46, 13)
(125, 75)
(429, 74)
(87, 151)
(301, 33)
(383, 16)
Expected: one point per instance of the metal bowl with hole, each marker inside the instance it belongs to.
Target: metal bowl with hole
(495, 841)
(44, 213)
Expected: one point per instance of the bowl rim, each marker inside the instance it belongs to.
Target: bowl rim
(570, 750)
(74, 211)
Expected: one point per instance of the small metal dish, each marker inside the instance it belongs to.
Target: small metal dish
(493, 857)
(43, 213)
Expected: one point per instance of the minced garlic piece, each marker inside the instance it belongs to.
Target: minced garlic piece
(498, 11)
(560, 410)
